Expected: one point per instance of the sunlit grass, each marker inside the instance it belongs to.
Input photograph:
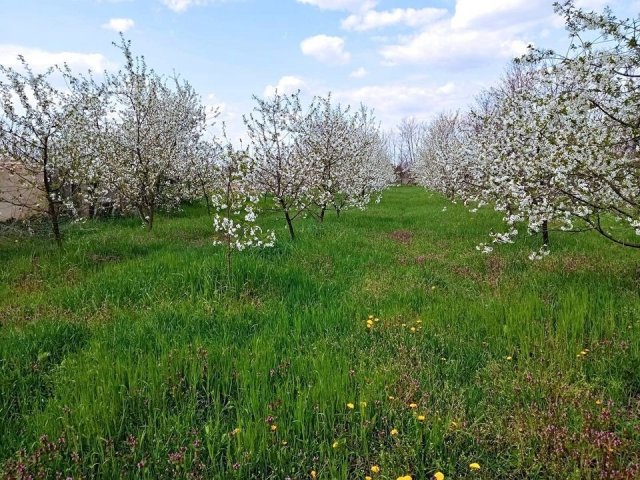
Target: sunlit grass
(135, 357)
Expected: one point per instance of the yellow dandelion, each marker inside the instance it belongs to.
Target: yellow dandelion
(391, 397)
(370, 317)
(335, 445)
(509, 358)
(313, 474)
(404, 324)
(394, 432)
(421, 418)
(438, 476)
(375, 469)
(413, 406)
(583, 353)
(474, 466)
(274, 427)
(418, 321)
(376, 319)
(433, 287)
(367, 477)
(405, 477)
(413, 329)
(350, 406)
(598, 402)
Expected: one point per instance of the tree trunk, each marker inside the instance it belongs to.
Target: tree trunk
(289, 224)
(323, 210)
(55, 223)
(545, 233)
(53, 211)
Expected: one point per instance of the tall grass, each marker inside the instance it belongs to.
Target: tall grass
(130, 354)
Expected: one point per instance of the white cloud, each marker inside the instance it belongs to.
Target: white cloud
(348, 5)
(326, 49)
(359, 73)
(441, 43)
(180, 6)
(119, 24)
(477, 31)
(411, 17)
(41, 59)
(447, 88)
(286, 85)
(472, 13)
(599, 4)
(395, 101)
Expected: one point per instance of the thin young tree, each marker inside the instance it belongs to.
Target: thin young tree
(235, 205)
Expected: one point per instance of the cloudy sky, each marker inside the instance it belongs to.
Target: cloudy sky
(401, 57)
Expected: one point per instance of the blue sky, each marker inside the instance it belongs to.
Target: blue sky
(401, 57)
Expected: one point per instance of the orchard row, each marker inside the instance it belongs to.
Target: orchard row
(136, 142)
(555, 145)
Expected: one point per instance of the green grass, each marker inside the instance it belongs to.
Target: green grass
(129, 355)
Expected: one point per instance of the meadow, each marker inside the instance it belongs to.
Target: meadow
(379, 338)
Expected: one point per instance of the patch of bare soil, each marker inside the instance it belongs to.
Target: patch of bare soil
(403, 237)
(495, 267)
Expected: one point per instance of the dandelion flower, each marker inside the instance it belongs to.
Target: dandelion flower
(370, 317)
(438, 476)
(405, 477)
(413, 329)
(274, 427)
(394, 432)
(391, 397)
(313, 474)
(598, 402)
(413, 406)
(421, 418)
(350, 406)
(335, 444)
(509, 358)
(474, 466)
(367, 477)
(375, 469)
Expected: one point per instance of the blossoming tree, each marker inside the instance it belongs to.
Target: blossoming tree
(235, 205)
